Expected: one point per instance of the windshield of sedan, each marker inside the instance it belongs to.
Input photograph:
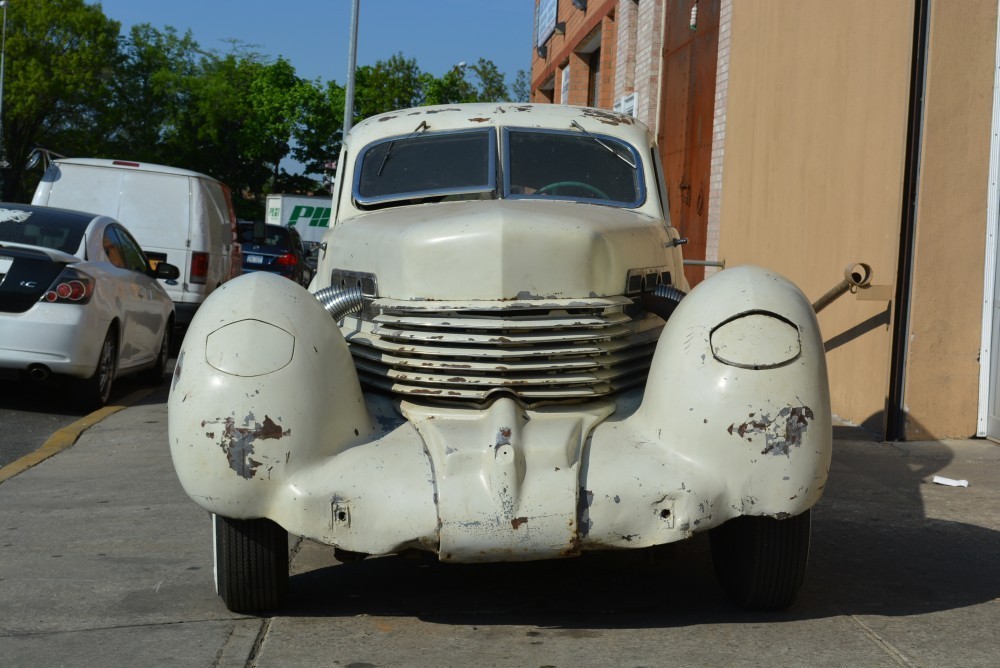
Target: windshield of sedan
(572, 164)
(49, 229)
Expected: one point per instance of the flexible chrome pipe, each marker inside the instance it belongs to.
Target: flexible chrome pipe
(340, 302)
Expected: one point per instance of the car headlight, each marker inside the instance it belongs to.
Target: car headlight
(249, 348)
(756, 340)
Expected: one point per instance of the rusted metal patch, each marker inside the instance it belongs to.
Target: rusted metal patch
(780, 433)
(585, 501)
(479, 119)
(238, 441)
(607, 117)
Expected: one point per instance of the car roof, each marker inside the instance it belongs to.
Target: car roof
(131, 164)
(483, 114)
(43, 214)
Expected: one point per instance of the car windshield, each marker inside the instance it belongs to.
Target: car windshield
(58, 230)
(274, 235)
(545, 164)
(427, 165)
(571, 165)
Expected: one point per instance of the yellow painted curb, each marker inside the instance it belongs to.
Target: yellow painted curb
(68, 435)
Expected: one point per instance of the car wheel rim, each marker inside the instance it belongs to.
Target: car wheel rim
(106, 367)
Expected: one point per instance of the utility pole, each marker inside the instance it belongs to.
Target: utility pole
(352, 61)
(3, 55)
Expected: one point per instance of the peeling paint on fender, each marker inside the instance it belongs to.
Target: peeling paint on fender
(780, 433)
(238, 442)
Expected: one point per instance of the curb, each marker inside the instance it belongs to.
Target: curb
(68, 435)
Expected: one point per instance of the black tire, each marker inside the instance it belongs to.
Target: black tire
(251, 563)
(94, 392)
(154, 374)
(761, 561)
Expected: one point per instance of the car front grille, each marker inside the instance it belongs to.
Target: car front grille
(542, 350)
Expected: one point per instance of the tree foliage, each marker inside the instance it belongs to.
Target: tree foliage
(75, 87)
(60, 59)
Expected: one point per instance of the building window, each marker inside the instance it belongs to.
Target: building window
(564, 86)
(594, 84)
(627, 104)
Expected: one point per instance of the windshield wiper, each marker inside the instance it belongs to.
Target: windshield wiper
(603, 143)
(420, 128)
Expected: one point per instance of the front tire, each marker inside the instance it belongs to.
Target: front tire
(761, 561)
(251, 563)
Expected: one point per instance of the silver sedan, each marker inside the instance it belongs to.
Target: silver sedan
(79, 298)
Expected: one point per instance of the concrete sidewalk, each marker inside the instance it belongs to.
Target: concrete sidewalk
(105, 562)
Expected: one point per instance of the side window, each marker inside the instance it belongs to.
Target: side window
(661, 186)
(112, 248)
(131, 253)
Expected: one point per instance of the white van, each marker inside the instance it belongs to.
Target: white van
(177, 216)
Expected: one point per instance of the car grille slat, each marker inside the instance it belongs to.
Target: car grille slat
(540, 351)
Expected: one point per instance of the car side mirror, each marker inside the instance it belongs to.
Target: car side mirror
(166, 271)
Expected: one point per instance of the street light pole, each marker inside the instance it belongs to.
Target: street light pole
(352, 62)
(3, 54)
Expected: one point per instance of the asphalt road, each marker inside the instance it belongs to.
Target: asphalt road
(104, 561)
(31, 412)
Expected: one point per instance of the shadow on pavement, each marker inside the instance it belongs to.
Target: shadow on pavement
(874, 552)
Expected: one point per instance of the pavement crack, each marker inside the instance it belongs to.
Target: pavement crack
(265, 625)
(883, 644)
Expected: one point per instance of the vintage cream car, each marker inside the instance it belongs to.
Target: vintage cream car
(499, 361)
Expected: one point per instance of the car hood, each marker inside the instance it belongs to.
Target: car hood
(496, 250)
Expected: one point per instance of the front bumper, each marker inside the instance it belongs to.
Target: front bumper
(267, 419)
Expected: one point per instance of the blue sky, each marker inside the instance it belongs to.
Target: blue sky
(313, 34)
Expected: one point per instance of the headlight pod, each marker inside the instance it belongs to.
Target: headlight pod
(756, 340)
(249, 348)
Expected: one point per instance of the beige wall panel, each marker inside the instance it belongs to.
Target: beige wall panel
(813, 166)
(942, 374)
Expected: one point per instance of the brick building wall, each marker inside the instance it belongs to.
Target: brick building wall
(718, 136)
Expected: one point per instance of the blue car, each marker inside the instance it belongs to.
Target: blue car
(276, 249)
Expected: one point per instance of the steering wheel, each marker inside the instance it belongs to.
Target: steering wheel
(572, 184)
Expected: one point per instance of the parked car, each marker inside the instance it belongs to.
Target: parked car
(503, 361)
(276, 249)
(78, 298)
(179, 216)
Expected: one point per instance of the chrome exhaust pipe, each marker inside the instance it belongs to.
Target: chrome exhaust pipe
(38, 372)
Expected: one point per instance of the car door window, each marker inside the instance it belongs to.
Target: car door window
(131, 253)
(113, 249)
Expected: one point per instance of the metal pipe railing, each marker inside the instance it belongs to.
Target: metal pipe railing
(855, 276)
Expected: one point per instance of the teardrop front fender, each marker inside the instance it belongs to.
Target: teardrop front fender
(264, 386)
(738, 385)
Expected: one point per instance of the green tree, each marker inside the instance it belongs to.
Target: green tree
(318, 138)
(491, 87)
(452, 88)
(521, 90)
(389, 84)
(61, 56)
(150, 91)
